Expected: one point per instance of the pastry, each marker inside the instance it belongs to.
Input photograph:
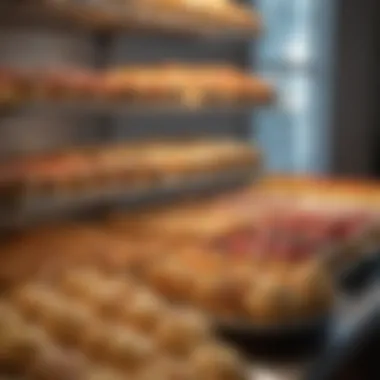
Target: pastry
(128, 350)
(52, 361)
(143, 311)
(70, 337)
(212, 361)
(14, 87)
(171, 279)
(181, 332)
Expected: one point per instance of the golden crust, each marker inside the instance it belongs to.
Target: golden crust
(175, 84)
(71, 336)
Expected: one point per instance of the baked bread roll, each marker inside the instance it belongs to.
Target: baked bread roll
(51, 361)
(14, 86)
(181, 332)
(171, 279)
(220, 294)
(129, 350)
(213, 361)
(104, 373)
(144, 311)
(163, 368)
(36, 302)
(254, 89)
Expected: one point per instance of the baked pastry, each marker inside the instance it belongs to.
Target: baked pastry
(14, 86)
(128, 350)
(181, 332)
(104, 373)
(212, 361)
(70, 337)
(144, 311)
(175, 84)
(118, 86)
(166, 368)
(254, 89)
(73, 173)
(52, 361)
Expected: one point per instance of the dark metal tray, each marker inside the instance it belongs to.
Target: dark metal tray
(358, 277)
(303, 337)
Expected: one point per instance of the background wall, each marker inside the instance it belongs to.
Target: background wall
(355, 137)
(297, 52)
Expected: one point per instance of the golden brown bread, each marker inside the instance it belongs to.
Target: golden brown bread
(72, 336)
(82, 171)
(161, 84)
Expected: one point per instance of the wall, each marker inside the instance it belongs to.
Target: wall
(354, 124)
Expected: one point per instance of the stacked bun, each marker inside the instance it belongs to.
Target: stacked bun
(242, 291)
(14, 86)
(217, 13)
(69, 328)
(255, 256)
(173, 15)
(160, 84)
(226, 286)
(123, 167)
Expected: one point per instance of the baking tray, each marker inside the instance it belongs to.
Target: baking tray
(303, 337)
(358, 276)
(357, 324)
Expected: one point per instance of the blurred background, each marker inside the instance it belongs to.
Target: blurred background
(298, 55)
(322, 56)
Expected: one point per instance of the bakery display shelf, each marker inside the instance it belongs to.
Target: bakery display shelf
(87, 16)
(34, 209)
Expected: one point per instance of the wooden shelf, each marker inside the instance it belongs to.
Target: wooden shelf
(50, 14)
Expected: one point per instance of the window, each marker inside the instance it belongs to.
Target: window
(294, 54)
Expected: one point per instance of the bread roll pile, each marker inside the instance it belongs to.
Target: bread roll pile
(45, 252)
(88, 326)
(217, 13)
(223, 285)
(242, 291)
(161, 84)
(276, 220)
(122, 167)
(202, 253)
(181, 15)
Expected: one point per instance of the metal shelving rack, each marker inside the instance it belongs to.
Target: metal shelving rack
(98, 39)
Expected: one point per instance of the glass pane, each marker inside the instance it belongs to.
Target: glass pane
(288, 35)
(292, 53)
(285, 131)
